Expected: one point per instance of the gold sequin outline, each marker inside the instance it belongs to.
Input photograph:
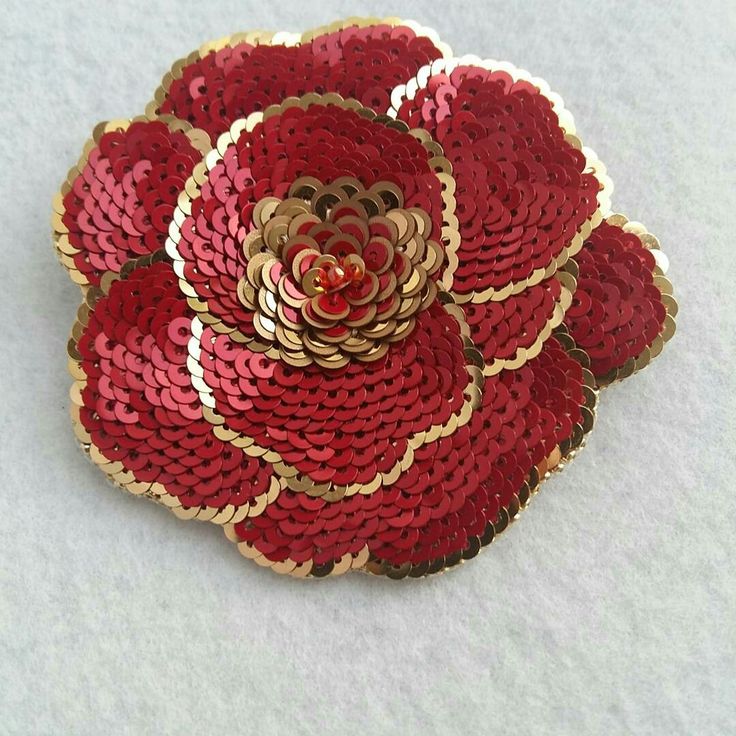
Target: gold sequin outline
(115, 470)
(307, 569)
(285, 38)
(664, 285)
(60, 233)
(593, 165)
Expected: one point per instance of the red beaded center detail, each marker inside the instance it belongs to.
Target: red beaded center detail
(334, 276)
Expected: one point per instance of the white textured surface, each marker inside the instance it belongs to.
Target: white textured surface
(609, 609)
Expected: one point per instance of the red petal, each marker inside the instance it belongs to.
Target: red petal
(139, 405)
(362, 63)
(512, 329)
(522, 189)
(121, 201)
(618, 310)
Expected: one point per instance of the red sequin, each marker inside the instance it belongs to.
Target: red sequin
(617, 310)
(120, 205)
(139, 404)
(361, 63)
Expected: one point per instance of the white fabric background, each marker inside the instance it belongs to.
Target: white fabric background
(608, 609)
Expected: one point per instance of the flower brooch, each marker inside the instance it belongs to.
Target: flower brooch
(348, 296)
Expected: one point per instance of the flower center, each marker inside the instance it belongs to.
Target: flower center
(337, 272)
(335, 276)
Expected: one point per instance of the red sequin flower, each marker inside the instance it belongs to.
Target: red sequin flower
(348, 296)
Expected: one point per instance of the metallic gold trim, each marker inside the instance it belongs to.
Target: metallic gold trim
(64, 249)
(649, 241)
(269, 38)
(306, 569)
(594, 165)
(115, 471)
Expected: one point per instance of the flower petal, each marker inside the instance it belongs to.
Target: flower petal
(118, 201)
(457, 494)
(231, 78)
(622, 311)
(527, 192)
(512, 331)
(349, 430)
(136, 410)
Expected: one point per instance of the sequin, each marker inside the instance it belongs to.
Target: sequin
(621, 304)
(337, 333)
(234, 81)
(121, 198)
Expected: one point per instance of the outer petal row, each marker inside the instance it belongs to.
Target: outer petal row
(117, 202)
(360, 58)
(623, 310)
